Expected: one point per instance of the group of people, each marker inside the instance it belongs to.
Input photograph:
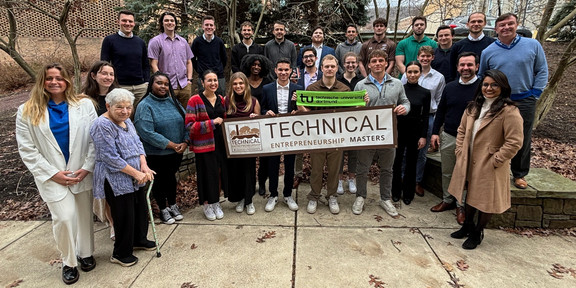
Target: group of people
(474, 100)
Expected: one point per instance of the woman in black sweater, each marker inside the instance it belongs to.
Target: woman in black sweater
(412, 130)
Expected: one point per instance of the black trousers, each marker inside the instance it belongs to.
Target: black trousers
(129, 212)
(407, 145)
(241, 176)
(273, 173)
(211, 175)
(164, 188)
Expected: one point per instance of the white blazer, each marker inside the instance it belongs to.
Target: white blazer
(43, 157)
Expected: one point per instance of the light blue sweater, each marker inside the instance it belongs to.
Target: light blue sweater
(158, 122)
(523, 62)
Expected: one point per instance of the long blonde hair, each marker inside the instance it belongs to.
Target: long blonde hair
(35, 107)
(232, 108)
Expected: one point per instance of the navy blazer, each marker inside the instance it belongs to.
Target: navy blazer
(270, 97)
(301, 79)
(325, 51)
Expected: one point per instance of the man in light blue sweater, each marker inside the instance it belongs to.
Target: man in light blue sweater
(524, 63)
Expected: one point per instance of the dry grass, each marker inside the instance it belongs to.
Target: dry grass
(38, 52)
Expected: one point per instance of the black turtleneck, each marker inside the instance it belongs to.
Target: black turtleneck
(417, 118)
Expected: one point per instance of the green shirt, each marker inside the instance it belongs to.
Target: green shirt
(409, 47)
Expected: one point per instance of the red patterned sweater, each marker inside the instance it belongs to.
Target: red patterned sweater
(200, 125)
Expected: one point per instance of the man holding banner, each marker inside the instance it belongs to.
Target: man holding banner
(333, 158)
(381, 89)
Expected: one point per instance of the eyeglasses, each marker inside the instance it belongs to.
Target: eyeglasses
(493, 85)
(308, 56)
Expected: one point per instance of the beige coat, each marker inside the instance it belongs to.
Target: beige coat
(497, 140)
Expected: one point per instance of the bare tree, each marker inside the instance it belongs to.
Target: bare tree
(9, 46)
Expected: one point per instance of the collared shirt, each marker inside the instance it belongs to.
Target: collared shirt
(318, 54)
(433, 81)
(274, 51)
(208, 40)
(476, 39)
(469, 82)
(172, 56)
(124, 35)
(310, 78)
(372, 44)
(283, 96)
(378, 84)
(512, 44)
(247, 46)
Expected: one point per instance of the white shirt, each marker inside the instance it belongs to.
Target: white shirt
(283, 96)
(433, 81)
(318, 55)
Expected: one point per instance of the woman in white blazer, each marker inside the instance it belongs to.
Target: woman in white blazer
(53, 134)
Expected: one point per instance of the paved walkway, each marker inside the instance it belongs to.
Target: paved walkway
(318, 250)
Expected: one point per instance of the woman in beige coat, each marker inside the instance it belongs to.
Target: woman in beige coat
(489, 135)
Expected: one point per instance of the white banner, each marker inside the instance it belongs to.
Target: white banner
(321, 130)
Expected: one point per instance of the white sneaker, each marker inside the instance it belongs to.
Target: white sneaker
(271, 204)
(240, 206)
(209, 212)
(312, 206)
(352, 186)
(175, 211)
(218, 210)
(250, 209)
(333, 204)
(291, 203)
(340, 189)
(358, 205)
(389, 207)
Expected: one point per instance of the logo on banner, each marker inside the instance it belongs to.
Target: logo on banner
(245, 137)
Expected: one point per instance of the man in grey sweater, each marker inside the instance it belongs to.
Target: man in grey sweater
(381, 89)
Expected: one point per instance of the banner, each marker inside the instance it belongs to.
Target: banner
(323, 130)
(330, 99)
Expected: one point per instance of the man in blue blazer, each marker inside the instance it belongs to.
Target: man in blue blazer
(310, 73)
(318, 44)
(277, 99)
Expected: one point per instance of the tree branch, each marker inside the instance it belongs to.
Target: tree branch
(560, 24)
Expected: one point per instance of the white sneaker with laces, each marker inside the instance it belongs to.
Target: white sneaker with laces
(175, 211)
(218, 210)
(358, 205)
(340, 189)
(166, 217)
(209, 212)
(352, 186)
(271, 204)
(240, 206)
(389, 207)
(250, 209)
(291, 203)
(312, 206)
(333, 204)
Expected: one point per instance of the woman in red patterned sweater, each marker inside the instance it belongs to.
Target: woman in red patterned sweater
(204, 116)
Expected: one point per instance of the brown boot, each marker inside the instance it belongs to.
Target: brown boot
(419, 190)
(460, 215)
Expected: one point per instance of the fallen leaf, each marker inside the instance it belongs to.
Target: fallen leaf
(16, 283)
(414, 230)
(378, 218)
(188, 285)
(448, 266)
(461, 264)
(309, 267)
(376, 281)
(193, 246)
(555, 274)
(55, 261)
(449, 244)
(267, 235)
(454, 281)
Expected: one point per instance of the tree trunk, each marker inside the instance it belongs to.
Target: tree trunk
(544, 21)
(72, 43)
(549, 94)
(264, 3)
(376, 13)
(10, 46)
(397, 20)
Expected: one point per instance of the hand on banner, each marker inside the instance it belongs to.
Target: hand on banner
(366, 98)
(400, 110)
(270, 113)
(435, 141)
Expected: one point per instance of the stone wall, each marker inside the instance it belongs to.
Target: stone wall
(187, 167)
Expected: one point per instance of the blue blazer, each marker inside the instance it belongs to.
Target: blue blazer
(301, 80)
(325, 51)
(270, 97)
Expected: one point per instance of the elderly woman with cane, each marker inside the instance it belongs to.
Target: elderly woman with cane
(120, 173)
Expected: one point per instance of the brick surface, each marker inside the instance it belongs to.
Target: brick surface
(529, 213)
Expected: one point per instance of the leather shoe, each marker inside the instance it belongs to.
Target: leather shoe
(419, 190)
(262, 190)
(69, 275)
(87, 264)
(297, 181)
(443, 206)
(395, 198)
(407, 201)
(520, 183)
(460, 215)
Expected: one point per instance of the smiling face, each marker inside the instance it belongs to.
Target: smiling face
(445, 37)
(256, 67)
(208, 27)
(210, 82)
(419, 27)
(329, 68)
(160, 86)
(467, 68)
(169, 23)
(283, 71)
(425, 59)
(351, 34)
(309, 59)
(413, 73)
(119, 112)
(318, 36)
(55, 84)
(238, 86)
(247, 32)
(506, 29)
(490, 89)
(351, 63)
(476, 23)
(379, 29)
(377, 64)
(126, 23)
(104, 77)
(279, 32)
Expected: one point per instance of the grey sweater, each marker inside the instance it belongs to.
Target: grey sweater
(392, 93)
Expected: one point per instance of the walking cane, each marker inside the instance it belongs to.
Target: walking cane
(152, 218)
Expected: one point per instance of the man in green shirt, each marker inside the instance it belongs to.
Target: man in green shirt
(407, 49)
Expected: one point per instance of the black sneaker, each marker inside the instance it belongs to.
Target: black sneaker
(148, 246)
(125, 262)
(87, 264)
(69, 275)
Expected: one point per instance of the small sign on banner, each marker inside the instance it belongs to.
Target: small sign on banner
(330, 99)
(323, 130)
